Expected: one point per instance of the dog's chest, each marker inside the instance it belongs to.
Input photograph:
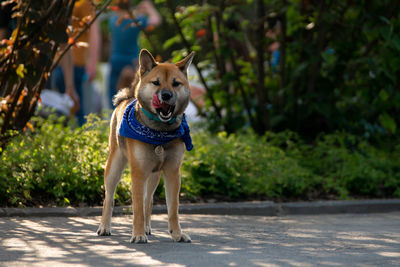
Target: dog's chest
(155, 158)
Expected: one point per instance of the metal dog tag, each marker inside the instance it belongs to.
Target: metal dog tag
(159, 150)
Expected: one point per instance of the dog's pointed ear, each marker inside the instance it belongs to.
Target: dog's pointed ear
(146, 61)
(184, 64)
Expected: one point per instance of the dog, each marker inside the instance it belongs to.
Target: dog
(148, 130)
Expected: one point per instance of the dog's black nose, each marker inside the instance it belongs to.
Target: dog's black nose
(166, 95)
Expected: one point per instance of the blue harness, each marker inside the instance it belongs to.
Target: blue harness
(132, 128)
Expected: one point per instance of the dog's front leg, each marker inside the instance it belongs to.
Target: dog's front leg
(116, 163)
(138, 186)
(172, 187)
(137, 158)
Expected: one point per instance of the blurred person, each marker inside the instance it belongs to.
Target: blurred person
(84, 58)
(273, 48)
(124, 41)
(67, 68)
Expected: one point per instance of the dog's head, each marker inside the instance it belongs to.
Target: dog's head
(163, 88)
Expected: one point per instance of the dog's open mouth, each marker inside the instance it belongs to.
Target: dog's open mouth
(164, 110)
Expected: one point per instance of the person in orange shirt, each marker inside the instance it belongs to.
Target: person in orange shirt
(84, 56)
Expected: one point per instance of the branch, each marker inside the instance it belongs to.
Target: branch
(20, 20)
(188, 47)
(262, 112)
(10, 110)
(33, 32)
(138, 24)
(243, 93)
(314, 69)
(282, 48)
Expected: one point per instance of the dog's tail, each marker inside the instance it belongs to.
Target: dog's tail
(126, 93)
(122, 95)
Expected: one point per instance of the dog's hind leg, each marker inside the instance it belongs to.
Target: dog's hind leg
(151, 186)
(116, 164)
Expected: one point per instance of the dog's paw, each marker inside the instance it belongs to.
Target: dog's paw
(139, 239)
(103, 231)
(148, 230)
(181, 237)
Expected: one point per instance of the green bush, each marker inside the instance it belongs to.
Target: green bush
(58, 164)
(243, 166)
(350, 166)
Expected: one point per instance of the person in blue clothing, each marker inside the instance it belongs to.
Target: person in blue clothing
(124, 33)
(274, 46)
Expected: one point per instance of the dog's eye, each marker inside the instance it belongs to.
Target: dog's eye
(156, 83)
(176, 84)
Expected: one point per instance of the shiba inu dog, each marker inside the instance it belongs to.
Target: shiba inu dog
(149, 132)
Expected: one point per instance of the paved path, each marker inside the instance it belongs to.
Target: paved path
(218, 240)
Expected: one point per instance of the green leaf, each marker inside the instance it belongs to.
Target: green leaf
(385, 20)
(388, 122)
(21, 71)
(396, 42)
(385, 32)
(383, 95)
(171, 41)
(328, 56)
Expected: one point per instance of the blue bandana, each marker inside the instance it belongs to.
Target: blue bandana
(132, 128)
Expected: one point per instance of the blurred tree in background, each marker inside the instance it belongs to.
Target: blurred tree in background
(313, 79)
(308, 66)
(30, 54)
(303, 65)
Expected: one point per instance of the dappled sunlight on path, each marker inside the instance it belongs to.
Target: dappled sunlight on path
(333, 240)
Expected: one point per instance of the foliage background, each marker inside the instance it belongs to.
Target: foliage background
(321, 123)
(61, 164)
(338, 68)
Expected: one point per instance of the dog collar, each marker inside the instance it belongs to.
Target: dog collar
(156, 118)
(131, 128)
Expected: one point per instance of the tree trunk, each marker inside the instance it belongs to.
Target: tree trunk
(262, 112)
(282, 60)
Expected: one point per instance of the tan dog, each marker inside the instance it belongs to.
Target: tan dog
(162, 95)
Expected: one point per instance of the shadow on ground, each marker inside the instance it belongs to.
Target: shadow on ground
(333, 240)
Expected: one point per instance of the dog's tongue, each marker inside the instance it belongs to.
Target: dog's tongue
(157, 104)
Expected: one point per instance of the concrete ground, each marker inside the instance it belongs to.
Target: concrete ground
(218, 240)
